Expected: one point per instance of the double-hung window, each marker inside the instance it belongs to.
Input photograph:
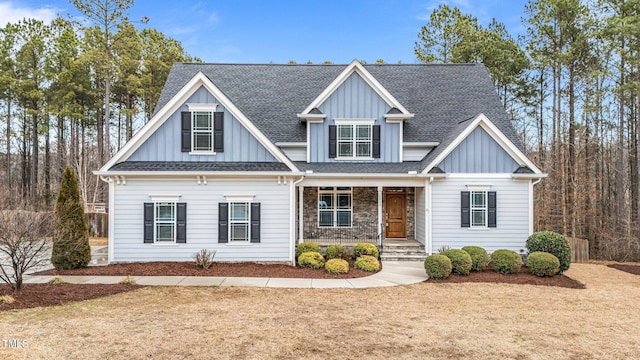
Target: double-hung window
(165, 220)
(239, 229)
(354, 141)
(335, 207)
(239, 220)
(202, 131)
(478, 208)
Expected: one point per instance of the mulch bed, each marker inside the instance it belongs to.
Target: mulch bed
(631, 269)
(34, 295)
(523, 277)
(167, 268)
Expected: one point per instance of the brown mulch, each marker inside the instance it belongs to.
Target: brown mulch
(167, 268)
(35, 295)
(631, 269)
(524, 277)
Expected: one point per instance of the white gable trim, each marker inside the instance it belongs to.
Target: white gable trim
(175, 103)
(356, 67)
(495, 133)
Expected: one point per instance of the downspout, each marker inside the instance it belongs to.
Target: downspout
(292, 220)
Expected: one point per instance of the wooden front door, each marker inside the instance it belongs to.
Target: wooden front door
(396, 215)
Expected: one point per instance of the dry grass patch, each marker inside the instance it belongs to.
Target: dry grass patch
(417, 321)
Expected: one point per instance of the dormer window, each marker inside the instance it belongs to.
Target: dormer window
(202, 129)
(354, 139)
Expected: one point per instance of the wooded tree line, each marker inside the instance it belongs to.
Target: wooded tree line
(572, 86)
(57, 80)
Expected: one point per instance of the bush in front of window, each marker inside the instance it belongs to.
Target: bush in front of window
(542, 263)
(306, 247)
(204, 258)
(460, 261)
(311, 259)
(553, 243)
(337, 252)
(479, 257)
(437, 266)
(337, 266)
(367, 263)
(506, 261)
(365, 249)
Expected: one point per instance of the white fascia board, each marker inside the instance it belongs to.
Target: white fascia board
(496, 134)
(398, 117)
(311, 117)
(291, 144)
(528, 176)
(178, 100)
(209, 174)
(420, 144)
(355, 66)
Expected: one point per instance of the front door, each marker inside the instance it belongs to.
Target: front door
(396, 215)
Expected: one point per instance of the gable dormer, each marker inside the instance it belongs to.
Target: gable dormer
(355, 119)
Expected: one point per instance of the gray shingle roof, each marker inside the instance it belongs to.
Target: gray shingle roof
(440, 95)
(360, 168)
(198, 166)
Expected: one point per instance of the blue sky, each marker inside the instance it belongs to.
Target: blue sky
(262, 31)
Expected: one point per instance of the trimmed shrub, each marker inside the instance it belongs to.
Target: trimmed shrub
(542, 263)
(306, 247)
(367, 263)
(365, 249)
(460, 261)
(506, 261)
(479, 257)
(337, 252)
(311, 259)
(437, 266)
(553, 243)
(337, 266)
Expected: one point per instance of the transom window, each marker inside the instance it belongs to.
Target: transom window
(202, 131)
(239, 218)
(479, 209)
(335, 207)
(165, 222)
(354, 140)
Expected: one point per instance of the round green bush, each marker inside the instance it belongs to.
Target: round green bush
(479, 257)
(553, 243)
(506, 261)
(460, 261)
(542, 263)
(306, 247)
(437, 266)
(337, 266)
(311, 259)
(337, 252)
(365, 249)
(367, 263)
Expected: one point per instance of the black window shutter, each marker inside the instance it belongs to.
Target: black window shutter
(376, 141)
(491, 216)
(333, 141)
(223, 222)
(464, 209)
(181, 222)
(148, 222)
(186, 131)
(218, 131)
(255, 222)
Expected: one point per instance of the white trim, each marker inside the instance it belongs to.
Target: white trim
(193, 152)
(308, 127)
(428, 144)
(312, 118)
(174, 105)
(391, 118)
(239, 198)
(165, 197)
(480, 175)
(356, 67)
(354, 121)
(474, 187)
(202, 107)
(530, 208)
(428, 216)
(401, 142)
(112, 223)
(496, 134)
(291, 144)
(380, 217)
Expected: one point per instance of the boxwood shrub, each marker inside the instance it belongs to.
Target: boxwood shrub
(367, 263)
(337, 252)
(306, 247)
(311, 259)
(553, 243)
(337, 266)
(506, 261)
(437, 266)
(542, 263)
(479, 257)
(460, 261)
(365, 249)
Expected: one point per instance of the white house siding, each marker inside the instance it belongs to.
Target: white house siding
(202, 219)
(420, 212)
(512, 211)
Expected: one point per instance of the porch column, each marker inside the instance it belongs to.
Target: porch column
(300, 214)
(379, 210)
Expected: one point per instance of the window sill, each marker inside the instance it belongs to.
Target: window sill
(479, 228)
(202, 153)
(355, 158)
(240, 244)
(172, 244)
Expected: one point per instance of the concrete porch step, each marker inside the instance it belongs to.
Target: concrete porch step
(402, 257)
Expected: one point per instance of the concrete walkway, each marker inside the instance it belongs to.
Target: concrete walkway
(393, 273)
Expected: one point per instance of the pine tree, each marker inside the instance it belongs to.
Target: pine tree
(71, 248)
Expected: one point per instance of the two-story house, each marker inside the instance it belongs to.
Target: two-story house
(250, 160)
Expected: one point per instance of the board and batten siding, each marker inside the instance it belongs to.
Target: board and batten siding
(202, 220)
(512, 212)
(479, 153)
(354, 99)
(420, 214)
(239, 144)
